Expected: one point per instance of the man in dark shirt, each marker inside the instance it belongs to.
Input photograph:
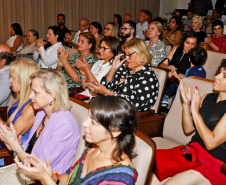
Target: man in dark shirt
(61, 25)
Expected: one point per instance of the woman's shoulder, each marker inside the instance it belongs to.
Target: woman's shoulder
(91, 58)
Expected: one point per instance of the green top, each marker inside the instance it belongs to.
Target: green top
(91, 59)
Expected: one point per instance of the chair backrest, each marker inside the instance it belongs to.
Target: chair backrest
(71, 51)
(172, 129)
(213, 61)
(169, 48)
(79, 110)
(10, 175)
(145, 149)
(161, 75)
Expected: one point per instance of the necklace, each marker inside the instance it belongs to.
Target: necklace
(43, 126)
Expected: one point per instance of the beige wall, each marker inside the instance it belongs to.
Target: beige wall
(39, 14)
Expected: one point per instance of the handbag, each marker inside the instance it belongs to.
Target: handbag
(169, 162)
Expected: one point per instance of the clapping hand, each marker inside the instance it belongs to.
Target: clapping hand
(39, 43)
(35, 168)
(185, 93)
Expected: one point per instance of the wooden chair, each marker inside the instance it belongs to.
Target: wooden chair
(144, 161)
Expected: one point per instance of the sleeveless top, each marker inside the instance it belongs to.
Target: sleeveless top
(11, 41)
(18, 114)
(211, 113)
(181, 63)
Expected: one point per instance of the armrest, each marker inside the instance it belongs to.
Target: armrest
(223, 168)
(151, 125)
(8, 159)
(3, 113)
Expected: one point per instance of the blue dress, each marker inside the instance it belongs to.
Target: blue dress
(18, 114)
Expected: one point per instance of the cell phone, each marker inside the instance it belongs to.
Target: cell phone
(122, 57)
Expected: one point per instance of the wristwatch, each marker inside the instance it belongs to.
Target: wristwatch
(15, 153)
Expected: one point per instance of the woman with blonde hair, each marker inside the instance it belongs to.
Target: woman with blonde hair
(134, 80)
(55, 132)
(196, 25)
(111, 29)
(155, 46)
(21, 114)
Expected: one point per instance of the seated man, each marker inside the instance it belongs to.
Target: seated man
(6, 57)
(83, 27)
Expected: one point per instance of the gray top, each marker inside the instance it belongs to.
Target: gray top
(5, 89)
(158, 52)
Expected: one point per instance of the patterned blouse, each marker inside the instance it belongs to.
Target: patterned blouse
(140, 88)
(158, 52)
(91, 59)
(219, 42)
(117, 174)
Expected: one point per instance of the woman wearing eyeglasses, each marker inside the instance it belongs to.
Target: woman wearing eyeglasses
(111, 30)
(133, 80)
(155, 46)
(86, 52)
(109, 47)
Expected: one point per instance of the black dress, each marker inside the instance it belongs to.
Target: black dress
(211, 113)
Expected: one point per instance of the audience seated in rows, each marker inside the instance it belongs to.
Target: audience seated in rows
(109, 139)
(177, 60)
(217, 42)
(55, 133)
(155, 46)
(29, 49)
(134, 81)
(21, 114)
(6, 57)
(109, 48)
(15, 42)
(173, 33)
(46, 55)
(83, 27)
(86, 51)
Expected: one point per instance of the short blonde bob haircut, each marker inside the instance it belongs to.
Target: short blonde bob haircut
(21, 70)
(139, 46)
(54, 83)
(199, 19)
(159, 27)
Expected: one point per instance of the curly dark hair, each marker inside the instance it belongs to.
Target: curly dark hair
(223, 65)
(115, 113)
(198, 56)
(17, 29)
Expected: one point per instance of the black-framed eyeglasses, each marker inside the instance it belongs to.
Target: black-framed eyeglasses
(102, 48)
(129, 55)
(107, 29)
(125, 28)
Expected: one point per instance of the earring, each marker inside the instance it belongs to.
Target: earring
(50, 103)
(142, 60)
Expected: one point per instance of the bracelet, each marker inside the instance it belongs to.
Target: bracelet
(15, 153)
(57, 176)
(83, 76)
(107, 92)
(64, 63)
